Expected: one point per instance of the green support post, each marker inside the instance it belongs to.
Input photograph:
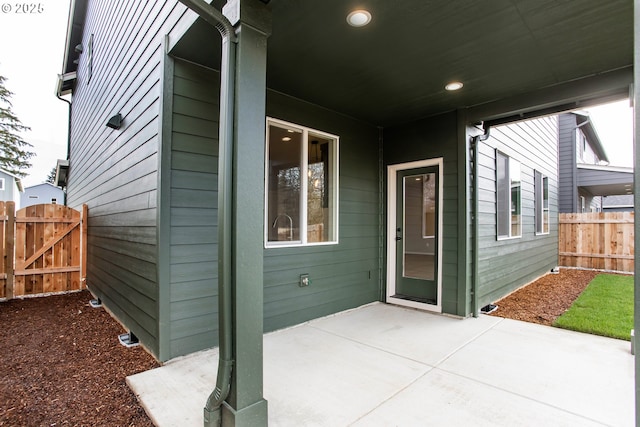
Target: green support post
(245, 405)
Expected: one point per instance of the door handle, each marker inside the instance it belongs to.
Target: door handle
(398, 234)
(398, 238)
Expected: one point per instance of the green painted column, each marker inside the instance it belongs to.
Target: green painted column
(463, 306)
(245, 405)
(636, 192)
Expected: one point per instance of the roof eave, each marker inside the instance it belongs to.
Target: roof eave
(592, 136)
(75, 28)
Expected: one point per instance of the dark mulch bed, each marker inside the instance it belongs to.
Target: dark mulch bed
(544, 300)
(62, 365)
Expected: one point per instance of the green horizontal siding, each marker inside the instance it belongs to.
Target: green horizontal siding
(505, 265)
(343, 275)
(427, 139)
(193, 209)
(115, 172)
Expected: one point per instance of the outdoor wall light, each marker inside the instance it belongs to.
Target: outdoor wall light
(79, 48)
(454, 86)
(359, 18)
(115, 122)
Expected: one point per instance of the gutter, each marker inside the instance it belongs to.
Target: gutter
(68, 138)
(475, 142)
(212, 415)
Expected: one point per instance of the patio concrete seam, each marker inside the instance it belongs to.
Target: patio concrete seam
(519, 395)
(384, 350)
(469, 341)
(382, 402)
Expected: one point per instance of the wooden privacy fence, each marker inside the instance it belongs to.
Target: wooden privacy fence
(601, 241)
(43, 249)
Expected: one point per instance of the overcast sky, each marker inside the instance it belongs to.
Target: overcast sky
(31, 57)
(614, 125)
(31, 54)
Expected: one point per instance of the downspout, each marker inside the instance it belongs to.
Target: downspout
(225, 206)
(475, 142)
(68, 139)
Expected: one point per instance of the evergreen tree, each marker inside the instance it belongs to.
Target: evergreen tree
(51, 178)
(14, 151)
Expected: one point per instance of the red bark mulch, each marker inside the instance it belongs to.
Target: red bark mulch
(62, 365)
(544, 300)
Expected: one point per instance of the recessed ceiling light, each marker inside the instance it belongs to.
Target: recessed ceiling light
(286, 139)
(454, 86)
(359, 18)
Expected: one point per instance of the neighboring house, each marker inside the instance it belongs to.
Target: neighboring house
(41, 193)
(10, 187)
(618, 203)
(585, 174)
(343, 176)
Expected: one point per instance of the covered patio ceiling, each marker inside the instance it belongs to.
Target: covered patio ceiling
(394, 70)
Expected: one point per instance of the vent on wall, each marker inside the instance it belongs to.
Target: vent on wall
(489, 308)
(128, 340)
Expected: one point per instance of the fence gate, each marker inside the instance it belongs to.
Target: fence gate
(44, 249)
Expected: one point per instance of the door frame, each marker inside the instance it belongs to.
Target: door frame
(392, 219)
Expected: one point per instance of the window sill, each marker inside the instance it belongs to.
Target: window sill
(273, 245)
(500, 238)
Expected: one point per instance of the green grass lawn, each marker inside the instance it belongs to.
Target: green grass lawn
(605, 308)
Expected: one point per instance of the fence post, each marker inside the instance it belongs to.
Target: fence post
(84, 217)
(10, 240)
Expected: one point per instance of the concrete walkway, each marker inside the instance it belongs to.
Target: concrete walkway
(382, 365)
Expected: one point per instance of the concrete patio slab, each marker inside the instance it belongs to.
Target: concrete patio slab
(579, 373)
(422, 336)
(444, 399)
(175, 394)
(316, 378)
(381, 365)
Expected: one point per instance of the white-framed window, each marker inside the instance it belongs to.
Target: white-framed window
(508, 197)
(541, 188)
(301, 176)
